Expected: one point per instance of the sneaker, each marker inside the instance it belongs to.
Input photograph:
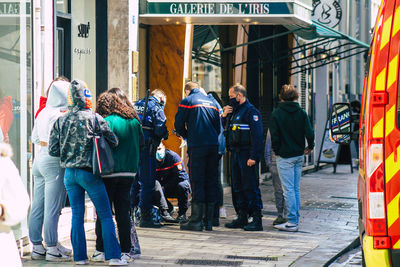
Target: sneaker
(126, 257)
(287, 226)
(117, 262)
(222, 212)
(135, 253)
(166, 217)
(279, 220)
(84, 262)
(38, 252)
(64, 250)
(54, 254)
(98, 256)
(182, 218)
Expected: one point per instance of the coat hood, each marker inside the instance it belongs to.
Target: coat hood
(290, 107)
(79, 95)
(58, 95)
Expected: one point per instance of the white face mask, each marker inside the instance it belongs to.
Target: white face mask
(160, 154)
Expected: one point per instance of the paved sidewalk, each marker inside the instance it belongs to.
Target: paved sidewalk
(328, 224)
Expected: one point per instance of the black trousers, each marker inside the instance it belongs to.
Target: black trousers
(118, 190)
(203, 173)
(181, 192)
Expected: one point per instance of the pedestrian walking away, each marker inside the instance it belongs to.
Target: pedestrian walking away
(48, 176)
(270, 161)
(197, 120)
(124, 122)
(289, 127)
(244, 141)
(151, 114)
(71, 139)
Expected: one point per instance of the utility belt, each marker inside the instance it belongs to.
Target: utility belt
(238, 136)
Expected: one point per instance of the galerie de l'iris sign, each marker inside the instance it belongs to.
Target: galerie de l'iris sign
(219, 8)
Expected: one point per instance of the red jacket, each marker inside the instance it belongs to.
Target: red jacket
(42, 105)
(6, 116)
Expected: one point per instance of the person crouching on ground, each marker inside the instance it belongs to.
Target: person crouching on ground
(124, 122)
(71, 139)
(289, 127)
(173, 178)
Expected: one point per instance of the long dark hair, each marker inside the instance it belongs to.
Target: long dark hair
(109, 103)
(121, 94)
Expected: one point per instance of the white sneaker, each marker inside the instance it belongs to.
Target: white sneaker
(287, 226)
(126, 256)
(54, 254)
(222, 212)
(98, 256)
(84, 262)
(64, 250)
(38, 252)
(117, 262)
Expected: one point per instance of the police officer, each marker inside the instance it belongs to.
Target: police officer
(173, 178)
(244, 140)
(198, 121)
(154, 130)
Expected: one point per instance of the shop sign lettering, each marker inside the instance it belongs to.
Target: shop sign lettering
(13, 8)
(327, 12)
(82, 51)
(220, 8)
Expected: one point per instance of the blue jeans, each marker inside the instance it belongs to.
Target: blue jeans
(49, 198)
(290, 172)
(77, 181)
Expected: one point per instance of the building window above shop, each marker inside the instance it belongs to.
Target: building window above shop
(62, 6)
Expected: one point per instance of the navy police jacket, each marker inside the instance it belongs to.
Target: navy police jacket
(154, 123)
(198, 120)
(247, 118)
(171, 171)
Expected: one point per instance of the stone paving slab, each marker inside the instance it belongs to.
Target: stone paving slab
(328, 224)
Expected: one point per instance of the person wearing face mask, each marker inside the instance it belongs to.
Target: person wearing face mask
(154, 130)
(245, 142)
(198, 121)
(173, 178)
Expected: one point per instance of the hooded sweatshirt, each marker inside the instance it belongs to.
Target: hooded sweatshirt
(289, 127)
(71, 138)
(56, 106)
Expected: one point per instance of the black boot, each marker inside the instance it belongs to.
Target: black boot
(195, 222)
(240, 222)
(256, 224)
(216, 215)
(146, 220)
(209, 218)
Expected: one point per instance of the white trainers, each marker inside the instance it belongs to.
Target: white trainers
(84, 262)
(64, 250)
(98, 256)
(54, 254)
(38, 252)
(222, 212)
(117, 262)
(287, 226)
(126, 256)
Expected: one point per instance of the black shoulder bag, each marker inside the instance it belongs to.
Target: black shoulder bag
(102, 159)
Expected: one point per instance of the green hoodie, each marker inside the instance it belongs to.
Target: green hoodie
(289, 127)
(126, 154)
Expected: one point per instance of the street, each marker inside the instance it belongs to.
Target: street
(328, 224)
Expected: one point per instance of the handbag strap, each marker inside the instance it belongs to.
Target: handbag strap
(95, 122)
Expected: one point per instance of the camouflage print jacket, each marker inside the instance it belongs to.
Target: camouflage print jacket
(71, 136)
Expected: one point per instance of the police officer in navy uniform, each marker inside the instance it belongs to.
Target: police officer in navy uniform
(198, 121)
(173, 178)
(245, 142)
(154, 130)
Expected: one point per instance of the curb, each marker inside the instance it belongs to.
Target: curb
(356, 243)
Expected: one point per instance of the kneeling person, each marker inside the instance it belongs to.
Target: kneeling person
(173, 178)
